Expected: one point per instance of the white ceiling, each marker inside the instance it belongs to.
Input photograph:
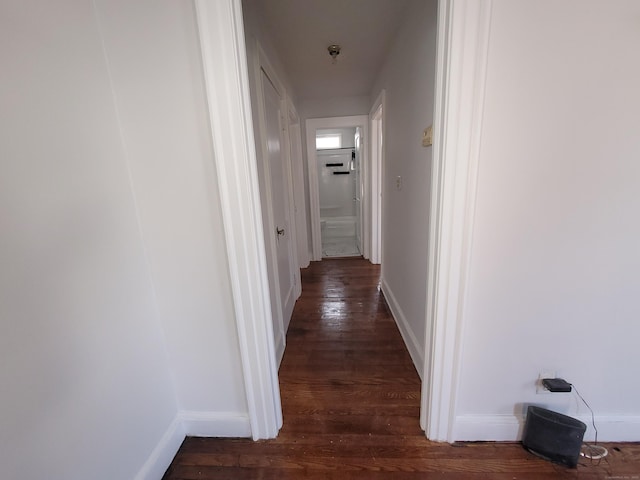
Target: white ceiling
(303, 29)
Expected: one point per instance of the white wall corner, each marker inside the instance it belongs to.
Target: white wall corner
(164, 452)
(216, 424)
(408, 336)
(461, 65)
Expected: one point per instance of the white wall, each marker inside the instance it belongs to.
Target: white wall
(117, 328)
(334, 107)
(86, 385)
(408, 78)
(155, 62)
(555, 257)
(255, 31)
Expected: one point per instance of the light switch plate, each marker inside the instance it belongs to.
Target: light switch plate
(427, 136)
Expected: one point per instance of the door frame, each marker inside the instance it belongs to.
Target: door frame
(377, 172)
(312, 125)
(461, 67)
(226, 81)
(297, 173)
(461, 63)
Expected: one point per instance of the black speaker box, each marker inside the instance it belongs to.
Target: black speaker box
(553, 436)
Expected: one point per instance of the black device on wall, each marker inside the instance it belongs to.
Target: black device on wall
(553, 436)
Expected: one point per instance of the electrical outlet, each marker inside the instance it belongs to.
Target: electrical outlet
(399, 183)
(546, 373)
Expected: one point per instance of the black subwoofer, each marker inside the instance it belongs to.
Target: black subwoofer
(553, 436)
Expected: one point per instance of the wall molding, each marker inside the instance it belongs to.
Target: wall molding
(410, 340)
(162, 455)
(508, 428)
(215, 424)
(374, 181)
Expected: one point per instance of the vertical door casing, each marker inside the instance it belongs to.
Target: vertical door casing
(359, 184)
(297, 175)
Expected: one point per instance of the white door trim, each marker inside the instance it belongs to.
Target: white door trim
(222, 43)
(312, 125)
(461, 65)
(374, 213)
(297, 172)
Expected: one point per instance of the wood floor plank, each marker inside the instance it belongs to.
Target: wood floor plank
(351, 403)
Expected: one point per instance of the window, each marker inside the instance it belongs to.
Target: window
(325, 142)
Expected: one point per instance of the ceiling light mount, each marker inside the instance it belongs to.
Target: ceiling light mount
(334, 51)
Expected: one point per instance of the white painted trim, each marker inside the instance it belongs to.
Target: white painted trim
(613, 428)
(221, 35)
(297, 168)
(461, 64)
(164, 452)
(491, 428)
(289, 110)
(376, 169)
(407, 334)
(508, 428)
(215, 424)
(312, 125)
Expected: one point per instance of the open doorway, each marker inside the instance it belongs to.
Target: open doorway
(407, 112)
(339, 186)
(338, 171)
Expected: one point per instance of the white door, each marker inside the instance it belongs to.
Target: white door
(283, 292)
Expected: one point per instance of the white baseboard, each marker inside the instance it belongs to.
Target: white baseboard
(409, 338)
(196, 424)
(215, 424)
(508, 428)
(161, 456)
(498, 428)
(614, 428)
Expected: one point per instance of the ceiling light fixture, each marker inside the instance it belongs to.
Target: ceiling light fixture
(334, 51)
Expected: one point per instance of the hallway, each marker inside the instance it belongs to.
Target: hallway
(346, 369)
(350, 397)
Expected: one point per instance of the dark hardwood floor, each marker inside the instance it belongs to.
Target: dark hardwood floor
(351, 398)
